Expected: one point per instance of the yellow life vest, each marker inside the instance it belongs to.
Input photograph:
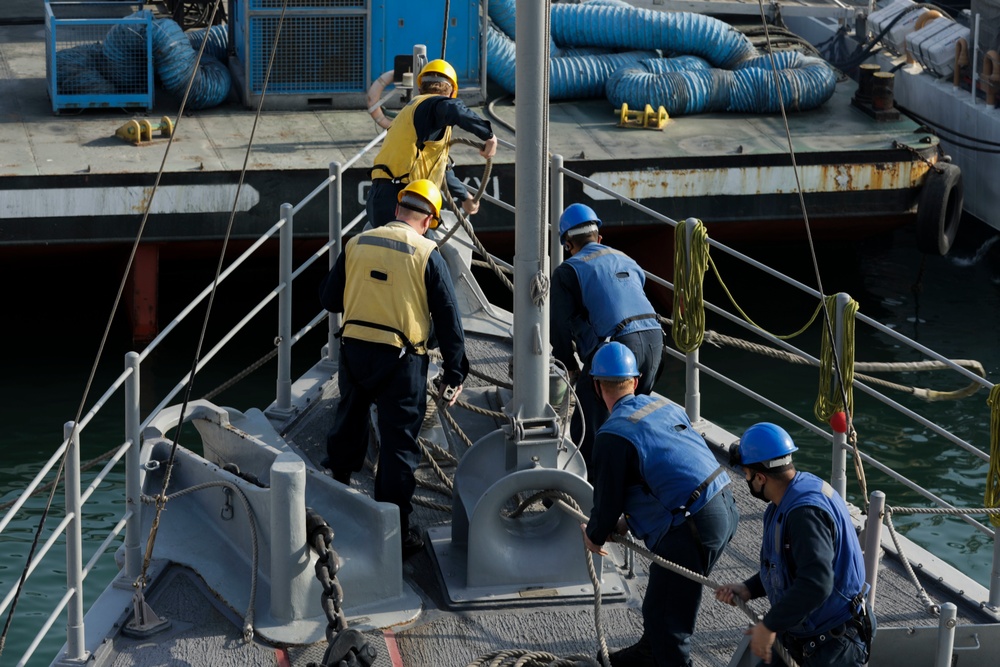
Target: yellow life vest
(385, 297)
(400, 160)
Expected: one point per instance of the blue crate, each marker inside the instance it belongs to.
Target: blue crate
(98, 55)
(321, 60)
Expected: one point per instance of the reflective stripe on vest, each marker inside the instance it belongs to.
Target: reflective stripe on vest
(385, 297)
(401, 160)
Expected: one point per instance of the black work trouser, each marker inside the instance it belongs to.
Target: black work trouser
(382, 201)
(375, 373)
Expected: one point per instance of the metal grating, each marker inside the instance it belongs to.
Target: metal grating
(96, 62)
(305, 4)
(316, 54)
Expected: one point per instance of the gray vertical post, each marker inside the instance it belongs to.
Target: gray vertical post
(873, 542)
(336, 198)
(75, 645)
(133, 420)
(995, 575)
(838, 466)
(556, 207)
(946, 635)
(692, 379)
(531, 348)
(284, 399)
(419, 60)
(290, 571)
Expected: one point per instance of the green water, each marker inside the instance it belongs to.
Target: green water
(56, 310)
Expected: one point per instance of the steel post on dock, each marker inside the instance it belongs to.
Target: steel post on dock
(838, 466)
(336, 204)
(873, 542)
(946, 635)
(283, 403)
(995, 575)
(75, 640)
(531, 350)
(133, 488)
(692, 378)
(556, 207)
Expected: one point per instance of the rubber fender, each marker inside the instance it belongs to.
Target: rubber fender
(939, 209)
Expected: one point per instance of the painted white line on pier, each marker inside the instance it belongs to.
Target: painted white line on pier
(130, 201)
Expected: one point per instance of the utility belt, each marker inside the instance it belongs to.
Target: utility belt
(860, 624)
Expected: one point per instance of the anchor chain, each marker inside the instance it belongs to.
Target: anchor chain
(346, 647)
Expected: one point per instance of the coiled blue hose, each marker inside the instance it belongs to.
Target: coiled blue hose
(175, 60)
(218, 41)
(569, 76)
(717, 68)
(805, 83)
(124, 49)
(79, 71)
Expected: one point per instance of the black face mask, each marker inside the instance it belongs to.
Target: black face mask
(757, 494)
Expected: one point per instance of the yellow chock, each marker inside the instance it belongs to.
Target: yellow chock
(137, 131)
(647, 118)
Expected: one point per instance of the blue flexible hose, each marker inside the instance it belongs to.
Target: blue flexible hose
(218, 41)
(569, 76)
(175, 60)
(124, 49)
(715, 68)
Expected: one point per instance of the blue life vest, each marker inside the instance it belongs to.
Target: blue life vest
(611, 285)
(680, 473)
(807, 489)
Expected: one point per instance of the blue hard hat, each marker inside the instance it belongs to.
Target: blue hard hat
(574, 216)
(613, 361)
(767, 444)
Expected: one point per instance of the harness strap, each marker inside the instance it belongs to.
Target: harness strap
(385, 168)
(381, 327)
(696, 494)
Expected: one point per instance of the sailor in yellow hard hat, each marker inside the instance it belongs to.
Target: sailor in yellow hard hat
(391, 283)
(416, 146)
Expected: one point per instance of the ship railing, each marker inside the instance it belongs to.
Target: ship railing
(68, 451)
(694, 367)
(129, 449)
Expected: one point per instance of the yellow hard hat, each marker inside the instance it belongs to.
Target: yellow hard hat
(424, 197)
(439, 70)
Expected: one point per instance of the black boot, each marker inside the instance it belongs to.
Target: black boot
(410, 537)
(639, 654)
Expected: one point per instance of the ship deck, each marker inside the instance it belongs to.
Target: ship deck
(456, 634)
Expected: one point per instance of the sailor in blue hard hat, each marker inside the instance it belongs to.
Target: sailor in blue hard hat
(597, 296)
(811, 566)
(657, 478)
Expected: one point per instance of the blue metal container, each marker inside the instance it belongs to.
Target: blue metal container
(397, 25)
(98, 55)
(330, 51)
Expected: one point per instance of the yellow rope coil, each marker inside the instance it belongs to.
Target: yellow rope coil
(690, 264)
(830, 399)
(993, 476)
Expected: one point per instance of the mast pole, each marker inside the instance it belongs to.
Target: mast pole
(531, 322)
